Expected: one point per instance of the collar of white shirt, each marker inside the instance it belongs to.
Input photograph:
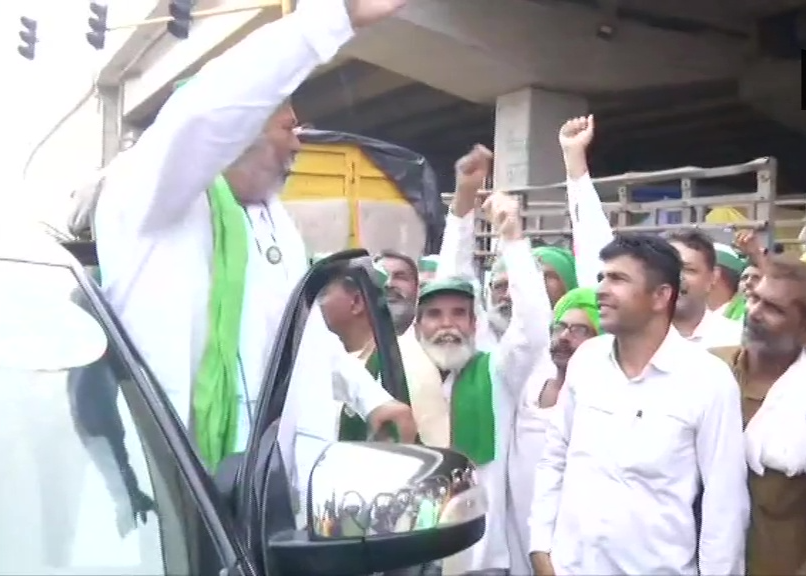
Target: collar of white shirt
(667, 354)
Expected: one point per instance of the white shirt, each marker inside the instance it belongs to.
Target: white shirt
(625, 459)
(714, 330)
(155, 239)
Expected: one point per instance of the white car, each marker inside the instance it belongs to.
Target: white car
(99, 477)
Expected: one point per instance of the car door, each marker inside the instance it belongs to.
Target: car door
(99, 477)
(264, 497)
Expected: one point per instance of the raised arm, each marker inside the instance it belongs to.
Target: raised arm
(207, 123)
(456, 253)
(458, 242)
(589, 224)
(721, 460)
(528, 331)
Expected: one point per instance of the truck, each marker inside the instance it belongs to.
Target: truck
(720, 200)
(375, 195)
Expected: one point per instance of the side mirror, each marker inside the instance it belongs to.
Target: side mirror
(375, 507)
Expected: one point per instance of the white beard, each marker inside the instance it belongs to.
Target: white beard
(498, 320)
(449, 357)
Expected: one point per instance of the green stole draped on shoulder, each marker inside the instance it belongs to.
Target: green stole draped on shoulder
(351, 426)
(215, 391)
(736, 308)
(472, 411)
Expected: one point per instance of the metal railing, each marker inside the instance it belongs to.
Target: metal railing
(549, 221)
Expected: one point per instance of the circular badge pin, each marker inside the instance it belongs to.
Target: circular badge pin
(274, 255)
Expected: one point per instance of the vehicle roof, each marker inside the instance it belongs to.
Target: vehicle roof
(35, 246)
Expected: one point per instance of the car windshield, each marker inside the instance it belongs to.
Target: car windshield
(82, 477)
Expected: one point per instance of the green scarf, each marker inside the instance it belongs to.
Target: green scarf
(472, 415)
(736, 308)
(215, 392)
(351, 427)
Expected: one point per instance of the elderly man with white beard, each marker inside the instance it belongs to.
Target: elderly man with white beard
(473, 410)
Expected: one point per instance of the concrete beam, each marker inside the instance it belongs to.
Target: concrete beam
(322, 96)
(478, 49)
(773, 87)
(395, 106)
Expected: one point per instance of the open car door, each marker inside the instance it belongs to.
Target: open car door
(390, 475)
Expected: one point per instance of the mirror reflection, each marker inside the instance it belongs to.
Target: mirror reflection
(361, 489)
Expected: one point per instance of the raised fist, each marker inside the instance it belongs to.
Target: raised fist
(472, 169)
(366, 12)
(576, 134)
(503, 213)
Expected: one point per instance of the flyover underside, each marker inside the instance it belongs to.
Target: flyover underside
(705, 124)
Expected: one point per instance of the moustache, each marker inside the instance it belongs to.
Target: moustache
(561, 348)
(504, 308)
(394, 294)
(448, 336)
(754, 329)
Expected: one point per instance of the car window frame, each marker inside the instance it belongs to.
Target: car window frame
(199, 485)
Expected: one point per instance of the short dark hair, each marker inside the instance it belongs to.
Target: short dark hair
(400, 256)
(696, 240)
(660, 260)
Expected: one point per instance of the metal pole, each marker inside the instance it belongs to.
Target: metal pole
(199, 14)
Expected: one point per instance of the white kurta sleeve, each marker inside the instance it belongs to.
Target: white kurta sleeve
(352, 383)
(551, 467)
(209, 122)
(456, 259)
(528, 331)
(456, 252)
(590, 228)
(721, 460)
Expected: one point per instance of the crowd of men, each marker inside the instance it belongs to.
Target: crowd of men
(634, 406)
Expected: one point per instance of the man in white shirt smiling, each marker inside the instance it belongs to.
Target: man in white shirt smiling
(592, 231)
(692, 317)
(646, 422)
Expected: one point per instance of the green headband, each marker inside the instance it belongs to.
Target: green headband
(428, 263)
(560, 259)
(579, 299)
(729, 258)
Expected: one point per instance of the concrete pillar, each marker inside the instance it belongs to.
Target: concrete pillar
(526, 149)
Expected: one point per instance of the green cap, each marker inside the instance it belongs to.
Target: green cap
(729, 258)
(579, 299)
(428, 263)
(446, 286)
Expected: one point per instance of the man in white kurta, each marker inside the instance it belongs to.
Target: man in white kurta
(155, 243)
(446, 329)
(591, 232)
(638, 437)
